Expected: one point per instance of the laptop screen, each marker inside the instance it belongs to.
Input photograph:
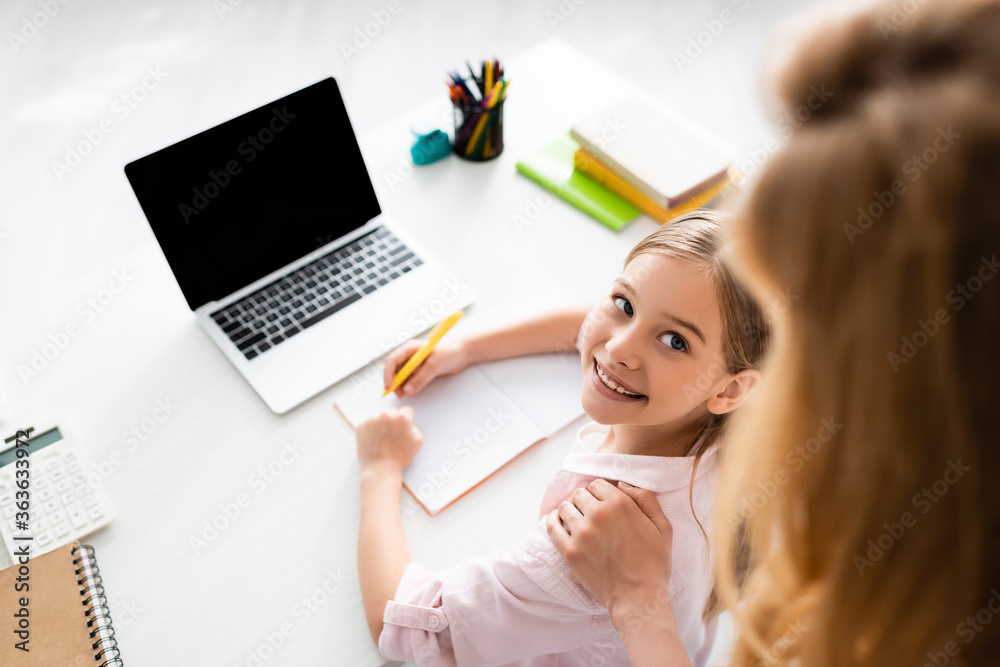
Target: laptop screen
(242, 199)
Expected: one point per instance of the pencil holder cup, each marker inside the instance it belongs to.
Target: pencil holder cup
(478, 132)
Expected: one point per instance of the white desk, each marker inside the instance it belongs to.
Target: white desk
(296, 537)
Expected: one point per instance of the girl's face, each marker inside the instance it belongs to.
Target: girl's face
(659, 334)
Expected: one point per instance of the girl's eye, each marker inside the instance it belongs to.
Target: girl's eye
(671, 339)
(627, 308)
(675, 342)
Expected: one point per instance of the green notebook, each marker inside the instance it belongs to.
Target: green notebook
(552, 168)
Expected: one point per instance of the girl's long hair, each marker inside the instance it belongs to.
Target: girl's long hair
(862, 468)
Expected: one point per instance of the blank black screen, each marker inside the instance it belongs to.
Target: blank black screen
(242, 199)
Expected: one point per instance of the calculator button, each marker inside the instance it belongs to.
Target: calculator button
(57, 475)
(45, 494)
(50, 507)
(57, 517)
(7, 499)
(9, 511)
(76, 515)
(61, 530)
(39, 525)
(43, 538)
(67, 498)
(51, 463)
(41, 483)
(90, 501)
(69, 456)
(84, 490)
(63, 486)
(79, 479)
(97, 512)
(5, 487)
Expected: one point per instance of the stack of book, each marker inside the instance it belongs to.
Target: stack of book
(632, 158)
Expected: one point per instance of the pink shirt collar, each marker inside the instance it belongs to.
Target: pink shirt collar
(659, 474)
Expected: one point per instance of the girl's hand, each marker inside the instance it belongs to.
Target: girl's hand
(447, 358)
(388, 440)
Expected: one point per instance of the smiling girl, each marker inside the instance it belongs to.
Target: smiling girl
(667, 356)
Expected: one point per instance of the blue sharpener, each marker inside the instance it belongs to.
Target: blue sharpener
(430, 146)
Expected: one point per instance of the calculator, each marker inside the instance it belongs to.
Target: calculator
(63, 506)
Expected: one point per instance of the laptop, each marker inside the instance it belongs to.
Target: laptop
(271, 227)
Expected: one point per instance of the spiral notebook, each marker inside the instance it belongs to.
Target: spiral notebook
(66, 622)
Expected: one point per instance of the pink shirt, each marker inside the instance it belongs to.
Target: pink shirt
(522, 606)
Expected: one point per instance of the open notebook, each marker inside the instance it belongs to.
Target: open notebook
(477, 420)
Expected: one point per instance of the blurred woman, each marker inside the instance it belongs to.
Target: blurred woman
(858, 482)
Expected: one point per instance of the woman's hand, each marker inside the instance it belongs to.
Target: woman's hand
(617, 541)
(389, 440)
(449, 356)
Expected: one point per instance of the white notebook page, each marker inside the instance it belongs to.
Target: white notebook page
(477, 420)
(471, 426)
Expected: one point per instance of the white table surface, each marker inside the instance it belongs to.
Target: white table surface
(299, 531)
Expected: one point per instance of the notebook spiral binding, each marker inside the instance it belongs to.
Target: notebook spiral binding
(96, 608)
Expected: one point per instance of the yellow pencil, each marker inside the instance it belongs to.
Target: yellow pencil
(437, 332)
(480, 124)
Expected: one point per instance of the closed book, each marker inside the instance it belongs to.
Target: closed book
(664, 159)
(54, 610)
(587, 164)
(552, 168)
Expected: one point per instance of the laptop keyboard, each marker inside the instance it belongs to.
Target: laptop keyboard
(315, 291)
